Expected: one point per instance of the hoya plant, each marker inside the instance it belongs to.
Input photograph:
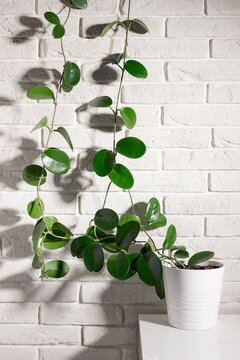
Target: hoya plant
(107, 232)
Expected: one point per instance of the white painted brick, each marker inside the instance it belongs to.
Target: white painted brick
(140, 7)
(223, 7)
(163, 93)
(86, 353)
(201, 115)
(167, 48)
(130, 354)
(203, 71)
(18, 314)
(174, 138)
(225, 48)
(223, 226)
(81, 314)
(38, 335)
(225, 181)
(19, 50)
(202, 204)
(202, 160)
(231, 292)
(17, 159)
(203, 27)
(107, 336)
(228, 138)
(12, 7)
(233, 308)
(14, 138)
(13, 270)
(224, 93)
(132, 311)
(232, 270)
(18, 353)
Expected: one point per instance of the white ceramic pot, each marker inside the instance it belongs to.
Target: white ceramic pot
(193, 296)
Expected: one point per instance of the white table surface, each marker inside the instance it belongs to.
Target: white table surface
(160, 341)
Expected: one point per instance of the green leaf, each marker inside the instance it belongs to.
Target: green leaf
(37, 262)
(95, 232)
(110, 245)
(56, 268)
(37, 234)
(136, 69)
(52, 17)
(151, 244)
(128, 218)
(129, 117)
(94, 257)
(160, 289)
(106, 219)
(177, 247)
(42, 123)
(40, 93)
(131, 147)
(154, 217)
(170, 238)
(142, 25)
(56, 161)
(108, 27)
(34, 208)
(58, 31)
(61, 230)
(79, 244)
(181, 254)
(127, 233)
(121, 177)
(200, 257)
(52, 243)
(32, 173)
(101, 101)
(66, 87)
(103, 162)
(49, 220)
(146, 249)
(81, 4)
(149, 269)
(61, 130)
(71, 73)
(132, 271)
(160, 222)
(118, 265)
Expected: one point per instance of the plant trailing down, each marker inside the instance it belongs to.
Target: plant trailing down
(106, 232)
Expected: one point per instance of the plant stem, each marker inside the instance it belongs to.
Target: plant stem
(105, 198)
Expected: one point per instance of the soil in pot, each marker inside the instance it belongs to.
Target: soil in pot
(198, 267)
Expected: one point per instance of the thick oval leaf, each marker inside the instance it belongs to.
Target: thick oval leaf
(58, 31)
(56, 161)
(121, 177)
(32, 174)
(177, 247)
(118, 265)
(81, 4)
(110, 245)
(127, 233)
(141, 24)
(66, 87)
(40, 93)
(56, 268)
(42, 123)
(136, 69)
(79, 244)
(94, 257)
(37, 234)
(131, 147)
(200, 257)
(52, 17)
(160, 289)
(128, 218)
(71, 73)
(170, 238)
(132, 271)
(153, 210)
(61, 230)
(106, 219)
(107, 28)
(159, 222)
(129, 117)
(181, 254)
(103, 162)
(149, 269)
(101, 101)
(37, 262)
(34, 208)
(49, 221)
(96, 233)
(61, 130)
(146, 249)
(51, 242)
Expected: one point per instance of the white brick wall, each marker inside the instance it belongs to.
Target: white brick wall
(187, 114)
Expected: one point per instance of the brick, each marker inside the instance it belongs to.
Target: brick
(202, 160)
(107, 336)
(223, 226)
(231, 292)
(227, 138)
(203, 71)
(86, 353)
(228, 308)
(163, 93)
(12, 7)
(14, 138)
(18, 353)
(18, 314)
(168, 48)
(231, 271)
(132, 311)
(17, 159)
(225, 181)
(17, 270)
(225, 48)
(130, 354)
(16, 49)
(201, 115)
(222, 7)
(202, 27)
(224, 93)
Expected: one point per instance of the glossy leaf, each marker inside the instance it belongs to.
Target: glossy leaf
(200, 257)
(127, 233)
(129, 117)
(103, 162)
(42, 123)
(118, 265)
(32, 174)
(106, 219)
(154, 217)
(131, 147)
(177, 247)
(128, 218)
(81, 4)
(151, 244)
(96, 233)
(58, 31)
(121, 177)
(61, 130)
(56, 161)
(107, 28)
(170, 238)
(149, 269)
(181, 254)
(52, 243)
(160, 289)
(66, 87)
(71, 73)
(160, 222)
(52, 17)
(37, 262)
(94, 257)
(56, 268)
(101, 101)
(49, 220)
(79, 244)
(145, 249)
(37, 234)
(136, 69)
(110, 245)
(132, 271)
(40, 93)
(141, 24)
(34, 208)
(61, 230)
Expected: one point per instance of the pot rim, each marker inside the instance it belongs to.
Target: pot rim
(219, 265)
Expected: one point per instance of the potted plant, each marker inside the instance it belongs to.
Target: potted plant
(193, 288)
